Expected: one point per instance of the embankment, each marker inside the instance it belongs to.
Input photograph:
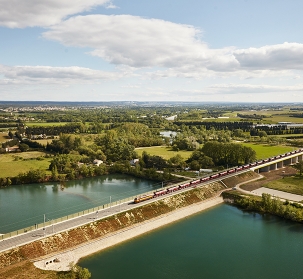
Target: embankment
(81, 236)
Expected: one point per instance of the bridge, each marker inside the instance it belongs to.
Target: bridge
(278, 162)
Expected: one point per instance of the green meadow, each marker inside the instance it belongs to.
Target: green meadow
(293, 184)
(163, 151)
(265, 151)
(14, 163)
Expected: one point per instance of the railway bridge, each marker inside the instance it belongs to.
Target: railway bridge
(277, 162)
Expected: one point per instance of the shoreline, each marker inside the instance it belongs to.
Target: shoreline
(94, 246)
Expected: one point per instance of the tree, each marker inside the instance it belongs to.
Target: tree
(23, 147)
(10, 134)
(54, 173)
(299, 167)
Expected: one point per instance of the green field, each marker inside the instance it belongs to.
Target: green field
(293, 184)
(163, 151)
(45, 141)
(266, 151)
(31, 124)
(10, 167)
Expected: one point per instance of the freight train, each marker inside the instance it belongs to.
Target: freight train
(194, 183)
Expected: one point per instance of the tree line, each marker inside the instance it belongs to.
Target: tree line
(268, 204)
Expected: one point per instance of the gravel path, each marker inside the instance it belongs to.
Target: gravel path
(276, 193)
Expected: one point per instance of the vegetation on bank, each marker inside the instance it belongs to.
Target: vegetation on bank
(26, 270)
(266, 204)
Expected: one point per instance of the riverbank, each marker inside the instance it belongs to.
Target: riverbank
(73, 255)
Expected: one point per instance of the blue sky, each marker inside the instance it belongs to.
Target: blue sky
(101, 50)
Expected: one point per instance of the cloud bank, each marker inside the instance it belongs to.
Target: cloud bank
(47, 74)
(30, 13)
(141, 42)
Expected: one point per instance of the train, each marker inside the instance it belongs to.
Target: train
(194, 183)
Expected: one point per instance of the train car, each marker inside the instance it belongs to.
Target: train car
(239, 168)
(195, 182)
(245, 167)
(172, 189)
(160, 193)
(223, 173)
(143, 198)
(214, 176)
(205, 179)
(182, 186)
(252, 164)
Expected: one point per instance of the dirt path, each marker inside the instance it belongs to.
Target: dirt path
(269, 176)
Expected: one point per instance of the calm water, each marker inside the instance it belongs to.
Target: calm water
(24, 205)
(222, 242)
(168, 133)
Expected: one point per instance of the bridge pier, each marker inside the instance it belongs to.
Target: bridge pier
(287, 162)
(265, 169)
(273, 166)
(294, 160)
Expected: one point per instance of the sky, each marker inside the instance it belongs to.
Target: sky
(142, 50)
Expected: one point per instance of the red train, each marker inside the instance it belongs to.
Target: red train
(194, 183)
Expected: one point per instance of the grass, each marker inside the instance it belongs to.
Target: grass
(31, 124)
(44, 141)
(10, 167)
(266, 151)
(163, 151)
(292, 184)
(191, 174)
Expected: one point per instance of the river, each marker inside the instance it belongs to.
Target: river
(24, 205)
(222, 242)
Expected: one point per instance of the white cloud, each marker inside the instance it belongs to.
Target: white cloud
(47, 74)
(20, 14)
(140, 42)
(176, 49)
(273, 57)
(110, 5)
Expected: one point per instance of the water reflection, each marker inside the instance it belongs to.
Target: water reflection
(27, 203)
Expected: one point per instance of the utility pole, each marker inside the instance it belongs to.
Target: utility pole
(44, 224)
